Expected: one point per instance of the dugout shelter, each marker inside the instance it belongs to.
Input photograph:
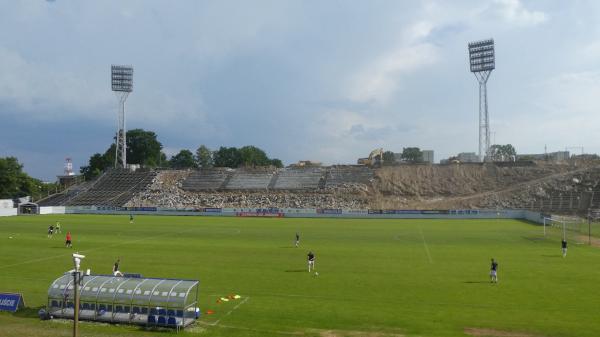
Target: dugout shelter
(130, 300)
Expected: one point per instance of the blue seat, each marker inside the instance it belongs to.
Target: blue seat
(86, 306)
(54, 304)
(118, 308)
(93, 306)
(170, 312)
(162, 312)
(179, 313)
(172, 321)
(136, 310)
(151, 319)
(101, 307)
(162, 320)
(153, 311)
(126, 308)
(144, 311)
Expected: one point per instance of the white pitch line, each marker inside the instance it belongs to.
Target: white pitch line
(230, 311)
(425, 244)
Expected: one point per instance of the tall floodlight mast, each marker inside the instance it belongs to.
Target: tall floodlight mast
(483, 60)
(122, 85)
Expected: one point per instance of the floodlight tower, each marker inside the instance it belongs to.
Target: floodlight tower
(483, 60)
(122, 85)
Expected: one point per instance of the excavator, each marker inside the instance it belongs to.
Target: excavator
(376, 157)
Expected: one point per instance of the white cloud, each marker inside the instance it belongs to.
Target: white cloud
(514, 12)
(39, 89)
(377, 81)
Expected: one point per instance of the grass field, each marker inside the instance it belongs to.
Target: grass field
(377, 277)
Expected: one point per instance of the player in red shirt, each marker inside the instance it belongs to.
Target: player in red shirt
(68, 241)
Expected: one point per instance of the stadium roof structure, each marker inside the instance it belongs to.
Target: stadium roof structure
(132, 300)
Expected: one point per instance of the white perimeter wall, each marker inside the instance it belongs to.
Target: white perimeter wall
(52, 210)
(8, 211)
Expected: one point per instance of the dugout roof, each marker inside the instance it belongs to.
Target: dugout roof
(172, 293)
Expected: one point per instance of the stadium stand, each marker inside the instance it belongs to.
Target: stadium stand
(114, 188)
(65, 196)
(348, 174)
(207, 179)
(298, 178)
(250, 180)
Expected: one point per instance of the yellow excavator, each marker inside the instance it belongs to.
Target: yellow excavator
(376, 157)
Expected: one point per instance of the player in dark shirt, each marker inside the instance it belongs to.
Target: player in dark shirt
(297, 239)
(50, 231)
(130, 218)
(564, 247)
(311, 261)
(494, 272)
(116, 271)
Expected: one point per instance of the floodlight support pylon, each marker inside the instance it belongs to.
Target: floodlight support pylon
(121, 141)
(484, 117)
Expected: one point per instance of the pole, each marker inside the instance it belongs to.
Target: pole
(544, 227)
(589, 230)
(76, 277)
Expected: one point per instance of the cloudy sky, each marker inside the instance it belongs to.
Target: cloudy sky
(321, 80)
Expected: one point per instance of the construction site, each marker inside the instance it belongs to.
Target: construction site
(569, 187)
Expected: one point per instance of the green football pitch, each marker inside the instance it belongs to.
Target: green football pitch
(376, 277)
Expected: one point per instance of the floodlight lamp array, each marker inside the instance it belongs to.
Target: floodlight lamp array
(482, 56)
(122, 78)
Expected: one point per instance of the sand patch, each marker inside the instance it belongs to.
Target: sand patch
(478, 332)
(352, 333)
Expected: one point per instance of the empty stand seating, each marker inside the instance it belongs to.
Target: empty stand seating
(250, 180)
(114, 188)
(206, 179)
(299, 178)
(348, 174)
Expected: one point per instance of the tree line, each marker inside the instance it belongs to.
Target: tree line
(143, 148)
(14, 183)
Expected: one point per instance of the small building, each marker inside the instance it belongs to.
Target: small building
(428, 156)
(551, 156)
(467, 157)
(306, 163)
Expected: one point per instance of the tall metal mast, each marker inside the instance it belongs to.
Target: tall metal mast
(483, 60)
(122, 85)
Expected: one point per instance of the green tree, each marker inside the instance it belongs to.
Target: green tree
(143, 148)
(388, 158)
(412, 154)
(14, 183)
(184, 159)
(502, 152)
(204, 157)
(227, 157)
(277, 163)
(253, 156)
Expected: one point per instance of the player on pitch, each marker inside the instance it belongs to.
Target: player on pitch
(297, 239)
(564, 247)
(68, 240)
(311, 261)
(494, 272)
(116, 271)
